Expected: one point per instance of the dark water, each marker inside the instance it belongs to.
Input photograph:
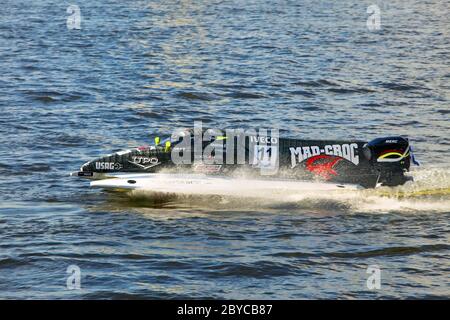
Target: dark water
(138, 68)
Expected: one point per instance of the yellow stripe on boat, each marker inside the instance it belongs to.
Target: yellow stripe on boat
(391, 154)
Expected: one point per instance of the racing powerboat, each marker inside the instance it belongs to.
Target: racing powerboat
(212, 158)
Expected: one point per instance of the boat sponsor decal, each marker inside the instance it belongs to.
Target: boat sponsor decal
(144, 162)
(85, 174)
(393, 155)
(108, 165)
(263, 139)
(142, 148)
(323, 165)
(265, 156)
(346, 151)
(207, 168)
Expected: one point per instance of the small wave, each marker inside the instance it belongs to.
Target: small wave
(317, 83)
(371, 105)
(52, 96)
(45, 99)
(390, 251)
(67, 140)
(395, 86)
(228, 86)
(151, 115)
(350, 90)
(295, 254)
(244, 95)
(28, 168)
(302, 93)
(11, 263)
(4, 166)
(196, 96)
(258, 269)
(144, 294)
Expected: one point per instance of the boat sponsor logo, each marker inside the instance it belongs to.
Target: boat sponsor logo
(207, 168)
(108, 165)
(323, 165)
(263, 139)
(265, 156)
(142, 148)
(144, 162)
(346, 151)
(85, 174)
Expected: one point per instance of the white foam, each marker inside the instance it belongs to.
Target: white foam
(414, 197)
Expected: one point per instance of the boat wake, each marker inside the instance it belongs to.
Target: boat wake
(430, 192)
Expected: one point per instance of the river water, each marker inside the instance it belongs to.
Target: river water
(136, 69)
